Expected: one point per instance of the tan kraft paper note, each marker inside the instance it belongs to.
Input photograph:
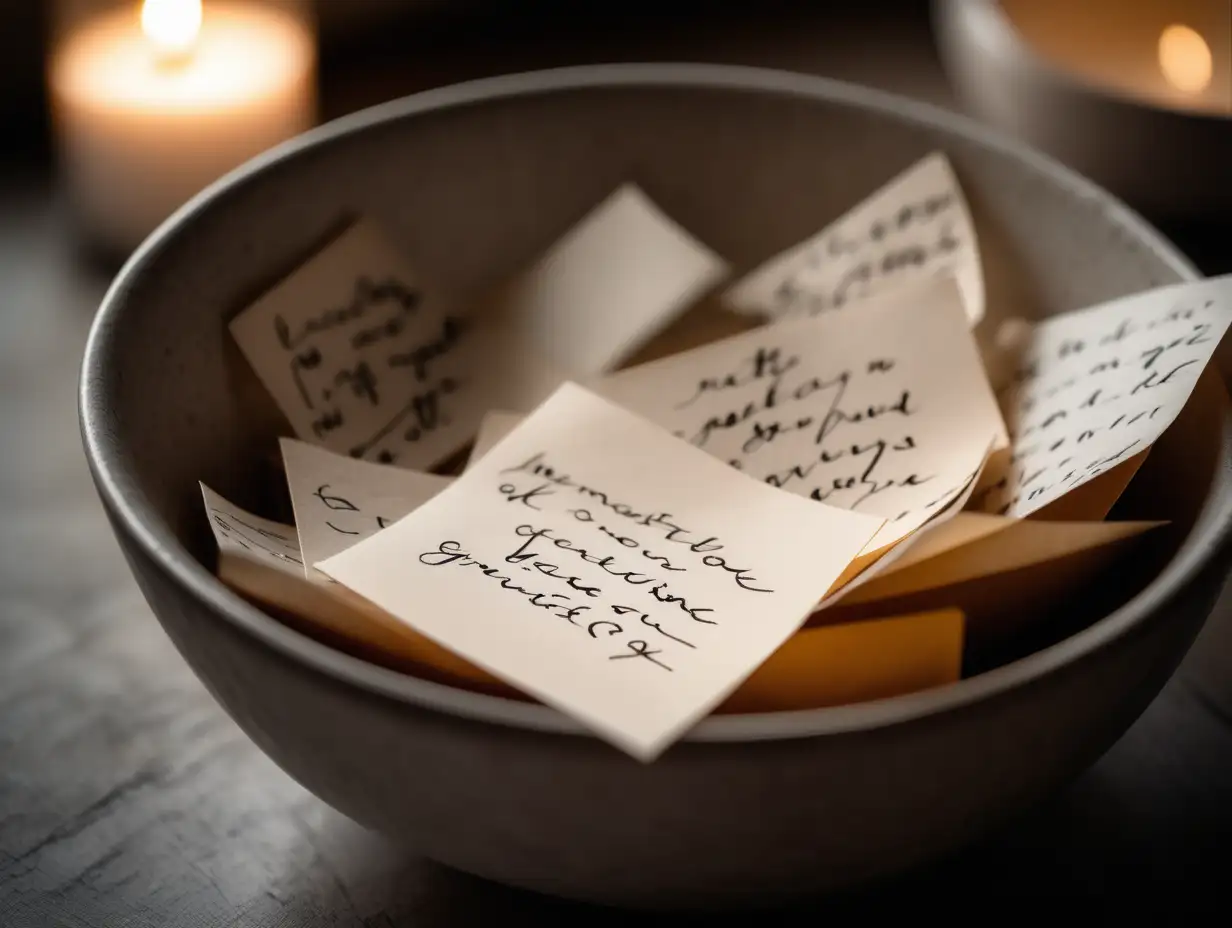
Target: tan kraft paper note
(339, 501)
(1098, 386)
(612, 571)
(886, 411)
(617, 278)
(261, 560)
(915, 227)
(363, 360)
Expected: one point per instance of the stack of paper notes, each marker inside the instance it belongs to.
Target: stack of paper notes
(640, 544)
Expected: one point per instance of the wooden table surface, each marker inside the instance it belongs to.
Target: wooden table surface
(128, 798)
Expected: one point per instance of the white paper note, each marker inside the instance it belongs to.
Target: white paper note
(495, 426)
(339, 501)
(885, 411)
(915, 227)
(1098, 386)
(609, 569)
(363, 361)
(608, 286)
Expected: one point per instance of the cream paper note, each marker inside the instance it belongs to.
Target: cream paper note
(610, 570)
(608, 286)
(339, 501)
(362, 360)
(1098, 386)
(886, 411)
(915, 227)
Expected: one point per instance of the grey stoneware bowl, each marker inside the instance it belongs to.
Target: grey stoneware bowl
(473, 181)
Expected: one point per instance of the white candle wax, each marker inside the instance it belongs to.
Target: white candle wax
(140, 131)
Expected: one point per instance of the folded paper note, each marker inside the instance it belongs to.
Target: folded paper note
(261, 560)
(616, 279)
(976, 544)
(495, 426)
(601, 565)
(886, 411)
(1031, 580)
(339, 501)
(867, 568)
(1097, 387)
(241, 534)
(915, 227)
(361, 359)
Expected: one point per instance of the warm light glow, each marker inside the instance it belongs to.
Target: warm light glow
(172, 25)
(1185, 59)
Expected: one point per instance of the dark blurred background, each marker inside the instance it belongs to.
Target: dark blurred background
(372, 50)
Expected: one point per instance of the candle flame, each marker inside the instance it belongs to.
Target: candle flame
(172, 25)
(1185, 59)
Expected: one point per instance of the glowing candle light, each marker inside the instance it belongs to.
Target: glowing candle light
(1185, 59)
(172, 26)
(153, 103)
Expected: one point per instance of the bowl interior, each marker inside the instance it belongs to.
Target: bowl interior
(473, 182)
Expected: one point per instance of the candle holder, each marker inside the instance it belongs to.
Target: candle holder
(152, 100)
(1138, 96)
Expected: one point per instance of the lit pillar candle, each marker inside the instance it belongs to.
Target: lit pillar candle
(153, 102)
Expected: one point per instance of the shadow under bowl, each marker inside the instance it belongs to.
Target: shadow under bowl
(472, 182)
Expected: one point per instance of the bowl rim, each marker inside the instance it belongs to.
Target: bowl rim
(133, 516)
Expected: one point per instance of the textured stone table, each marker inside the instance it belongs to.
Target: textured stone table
(127, 797)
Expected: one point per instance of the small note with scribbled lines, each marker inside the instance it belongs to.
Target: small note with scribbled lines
(915, 227)
(1098, 386)
(339, 501)
(259, 541)
(362, 360)
(613, 571)
(887, 411)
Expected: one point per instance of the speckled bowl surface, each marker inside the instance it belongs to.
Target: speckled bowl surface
(472, 182)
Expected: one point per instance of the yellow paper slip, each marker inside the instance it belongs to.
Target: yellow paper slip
(1008, 612)
(974, 544)
(839, 664)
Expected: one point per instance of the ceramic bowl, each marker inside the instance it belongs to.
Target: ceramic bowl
(472, 182)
